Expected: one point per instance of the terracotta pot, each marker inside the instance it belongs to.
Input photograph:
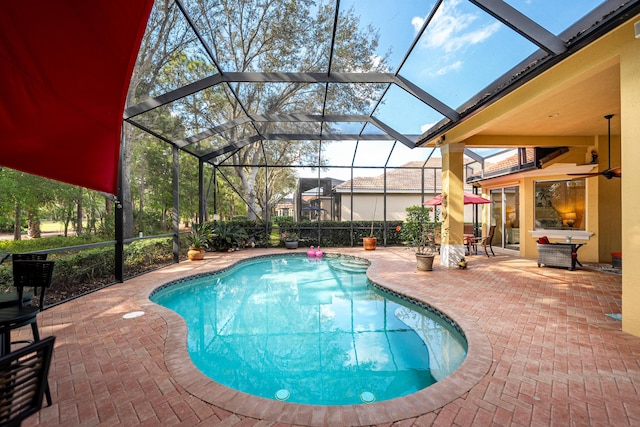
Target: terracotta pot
(425, 262)
(195, 254)
(369, 243)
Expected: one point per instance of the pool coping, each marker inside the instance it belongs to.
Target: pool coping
(178, 362)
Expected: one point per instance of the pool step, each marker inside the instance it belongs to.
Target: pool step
(350, 266)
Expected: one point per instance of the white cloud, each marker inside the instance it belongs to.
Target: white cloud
(417, 23)
(450, 29)
(451, 67)
(425, 127)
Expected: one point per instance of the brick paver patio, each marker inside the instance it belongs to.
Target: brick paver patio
(541, 352)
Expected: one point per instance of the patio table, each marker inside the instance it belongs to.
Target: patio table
(14, 317)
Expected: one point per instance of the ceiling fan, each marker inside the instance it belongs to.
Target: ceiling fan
(609, 172)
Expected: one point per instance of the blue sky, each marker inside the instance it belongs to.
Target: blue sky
(463, 50)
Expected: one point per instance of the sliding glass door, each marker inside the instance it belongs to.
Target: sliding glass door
(505, 215)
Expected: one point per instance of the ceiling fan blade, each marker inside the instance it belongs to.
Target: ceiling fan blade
(616, 172)
(585, 175)
(607, 173)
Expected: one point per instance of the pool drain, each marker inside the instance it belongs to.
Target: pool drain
(282, 394)
(367, 397)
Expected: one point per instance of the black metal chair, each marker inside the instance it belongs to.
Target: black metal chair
(23, 380)
(32, 273)
(8, 299)
(27, 274)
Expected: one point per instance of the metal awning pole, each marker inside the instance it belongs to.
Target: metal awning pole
(119, 219)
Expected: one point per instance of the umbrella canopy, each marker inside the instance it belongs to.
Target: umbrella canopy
(469, 199)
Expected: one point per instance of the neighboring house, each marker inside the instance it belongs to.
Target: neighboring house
(408, 185)
(284, 208)
(314, 197)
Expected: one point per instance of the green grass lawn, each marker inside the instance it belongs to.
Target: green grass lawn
(51, 227)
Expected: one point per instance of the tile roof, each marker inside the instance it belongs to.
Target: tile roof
(406, 178)
(509, 162)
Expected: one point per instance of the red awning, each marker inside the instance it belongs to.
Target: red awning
(65, 68)
(469, 199)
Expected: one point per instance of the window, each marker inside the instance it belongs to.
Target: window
(560, 205)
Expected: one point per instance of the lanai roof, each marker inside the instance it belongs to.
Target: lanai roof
(64, 78)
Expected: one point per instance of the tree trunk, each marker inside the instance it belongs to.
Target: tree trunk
(248, 180)
(141, 196)
(17, 226)
(33, 221)
(67, 220)
(79, 214)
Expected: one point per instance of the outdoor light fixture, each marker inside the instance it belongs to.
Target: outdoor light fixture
(636, 27)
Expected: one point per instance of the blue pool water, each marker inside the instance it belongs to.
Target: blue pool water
(311, 331)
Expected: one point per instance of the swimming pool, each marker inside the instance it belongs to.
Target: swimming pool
(310, 331)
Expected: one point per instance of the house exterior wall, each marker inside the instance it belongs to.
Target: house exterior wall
(592, 251)
(364, 204)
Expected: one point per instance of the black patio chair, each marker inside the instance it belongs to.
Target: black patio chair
(36, 275)
(23, 380)
(8, 299)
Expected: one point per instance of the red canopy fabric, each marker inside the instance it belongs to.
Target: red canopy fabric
(65, 68)
(469, 199)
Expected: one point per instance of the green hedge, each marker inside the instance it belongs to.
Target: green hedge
(98, 264)
(338, 233)
(256, 231)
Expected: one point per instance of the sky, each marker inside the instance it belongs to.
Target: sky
(462, 51)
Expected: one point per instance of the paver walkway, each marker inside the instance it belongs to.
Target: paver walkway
(544, 353)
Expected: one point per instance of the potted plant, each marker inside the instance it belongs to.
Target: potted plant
(425, 249)
(419, 233)
(197, 241)
(290, 239)
(371, 242)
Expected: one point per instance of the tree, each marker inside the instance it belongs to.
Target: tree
(164, 36)
(27, 195)
(270, 35)
(62, 205)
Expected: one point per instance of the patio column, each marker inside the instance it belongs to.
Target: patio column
(452, 249)
(630, 136)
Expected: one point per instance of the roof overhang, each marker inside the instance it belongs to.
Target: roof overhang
(566, 95)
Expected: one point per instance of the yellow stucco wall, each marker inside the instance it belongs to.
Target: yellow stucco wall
(630, 134)
(396, 206)
(609, 202)
(613, 205)
(453, 194)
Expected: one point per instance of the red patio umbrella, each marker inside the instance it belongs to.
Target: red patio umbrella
(469, 199)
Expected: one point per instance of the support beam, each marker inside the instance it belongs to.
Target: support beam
(176, 205)
(119, 220)
(523, 141)
(201, 197)
(521, 24)
(452, 249)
